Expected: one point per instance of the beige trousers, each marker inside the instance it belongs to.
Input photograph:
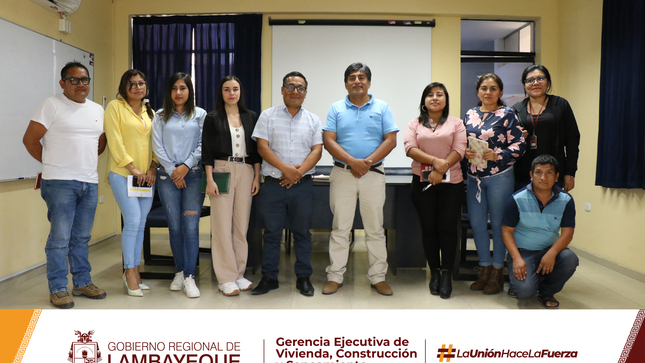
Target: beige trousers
(344, 190)
(230, 222)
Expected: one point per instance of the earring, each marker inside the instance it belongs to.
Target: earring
(424, 108)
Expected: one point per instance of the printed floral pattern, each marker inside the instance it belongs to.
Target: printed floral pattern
(502, 130)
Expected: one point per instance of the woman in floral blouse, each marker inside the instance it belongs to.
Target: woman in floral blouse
(491, 180)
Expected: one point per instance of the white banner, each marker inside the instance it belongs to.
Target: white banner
(328, 336)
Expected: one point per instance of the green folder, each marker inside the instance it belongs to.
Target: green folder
(222, 180)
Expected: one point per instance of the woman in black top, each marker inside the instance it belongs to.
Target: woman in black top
(227, 147)
(549, 128)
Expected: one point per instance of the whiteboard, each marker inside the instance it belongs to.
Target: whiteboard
(399, 58)
(31, 64)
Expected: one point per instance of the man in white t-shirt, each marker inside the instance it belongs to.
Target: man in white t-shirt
(66, 136)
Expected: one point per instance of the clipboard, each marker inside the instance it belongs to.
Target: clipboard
(223, 181)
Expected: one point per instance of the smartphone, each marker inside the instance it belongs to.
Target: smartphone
(135, 182)
(425, 174)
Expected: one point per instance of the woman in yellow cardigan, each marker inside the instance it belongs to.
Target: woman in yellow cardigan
(128, 124)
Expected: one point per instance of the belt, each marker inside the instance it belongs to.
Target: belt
(372, 168)
(304, 177)
(235, 159)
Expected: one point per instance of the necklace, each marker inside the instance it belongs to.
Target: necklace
(432, 125)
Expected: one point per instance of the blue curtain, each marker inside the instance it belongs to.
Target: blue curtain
(161, 47)
(224, 45)
(621, 132)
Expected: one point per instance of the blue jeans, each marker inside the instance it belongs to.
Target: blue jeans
(134, 211)
(565, 265)
(71, 206)
(278, 203)
(495, 192)
(183, 209)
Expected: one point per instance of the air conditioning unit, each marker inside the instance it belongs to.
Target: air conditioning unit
(61, 7)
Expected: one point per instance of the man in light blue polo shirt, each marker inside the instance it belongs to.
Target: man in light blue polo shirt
(537, 227)
(359, 133)
(290, 142)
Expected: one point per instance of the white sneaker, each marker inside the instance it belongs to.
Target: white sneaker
(244, 284)
(178, 282)
(229, 289)
(190, 288)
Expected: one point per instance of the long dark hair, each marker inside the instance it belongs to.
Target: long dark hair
(125, 84)
(497, 80)
(219, 101)
(424, 119)
(537, 67)
(169, 105)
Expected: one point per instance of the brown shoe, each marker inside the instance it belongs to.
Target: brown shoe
(482, 278)
(62, 300)
(90, 291)
(383, 288)
(495, 283)
(331, 287)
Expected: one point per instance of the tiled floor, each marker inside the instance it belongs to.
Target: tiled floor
(592, 287)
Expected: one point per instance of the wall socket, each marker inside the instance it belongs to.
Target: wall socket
(101, 199)
(588, 207)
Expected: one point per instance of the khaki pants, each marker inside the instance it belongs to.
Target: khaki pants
(344, 190)
(230, 222)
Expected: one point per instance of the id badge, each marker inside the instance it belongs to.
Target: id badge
(533, 141)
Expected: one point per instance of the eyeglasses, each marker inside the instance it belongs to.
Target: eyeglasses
(292, 87)
(74, 80)
(139, 85)
(540, 79)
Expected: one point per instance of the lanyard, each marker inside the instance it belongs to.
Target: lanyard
(538, 116)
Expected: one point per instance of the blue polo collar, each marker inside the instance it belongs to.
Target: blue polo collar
(555, 190)
(350, 104)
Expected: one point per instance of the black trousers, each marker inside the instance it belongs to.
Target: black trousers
(439, 210)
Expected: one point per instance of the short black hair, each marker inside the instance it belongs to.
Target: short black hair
(541, 68)
(73, 64)
(294, 74)
(544, 159)
(358, 66)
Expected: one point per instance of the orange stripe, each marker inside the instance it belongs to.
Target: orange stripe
(18, 325)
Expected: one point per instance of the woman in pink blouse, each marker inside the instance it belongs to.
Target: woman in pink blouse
(436, 142)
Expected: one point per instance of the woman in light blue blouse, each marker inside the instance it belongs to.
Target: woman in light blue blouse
(491, 183)
(177, 142)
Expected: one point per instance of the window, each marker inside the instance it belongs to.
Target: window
(505, 48)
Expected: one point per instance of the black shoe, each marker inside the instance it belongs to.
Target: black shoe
(304, 285)
(445, 288)
(435, 276)
(266, 284)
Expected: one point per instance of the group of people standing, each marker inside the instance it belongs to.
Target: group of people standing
(178, 148)
(437, 142)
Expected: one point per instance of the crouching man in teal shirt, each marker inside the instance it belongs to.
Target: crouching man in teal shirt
(537, 227)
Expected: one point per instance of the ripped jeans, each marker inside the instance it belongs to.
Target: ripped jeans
(183, 209)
